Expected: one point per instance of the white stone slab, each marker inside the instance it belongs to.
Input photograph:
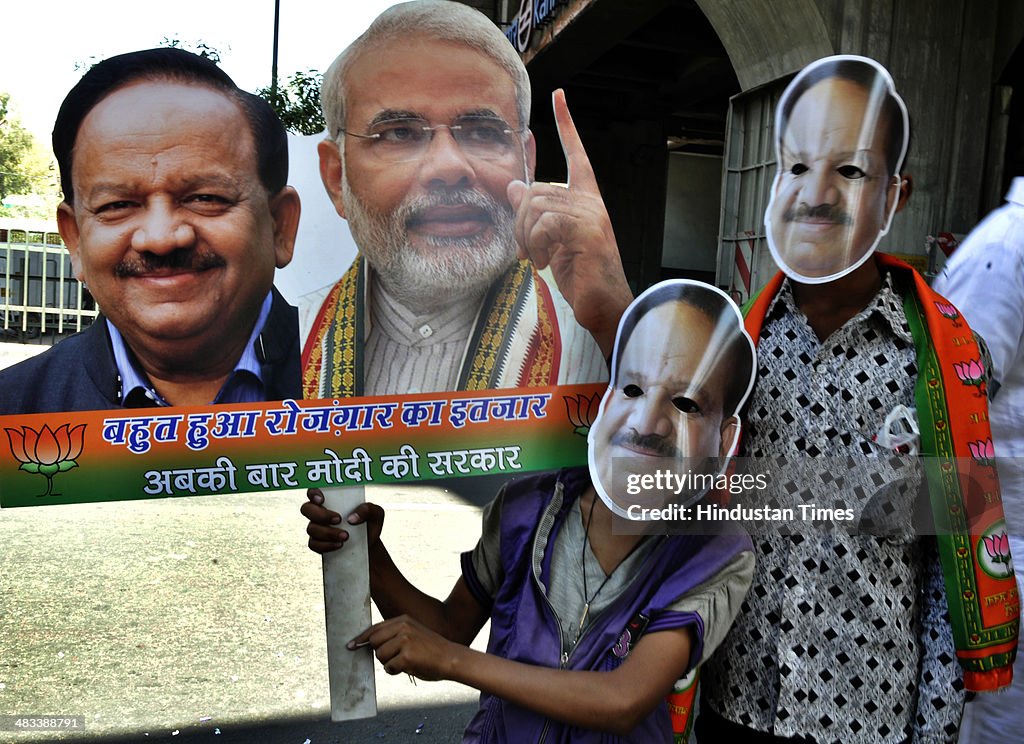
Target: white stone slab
(347, 604)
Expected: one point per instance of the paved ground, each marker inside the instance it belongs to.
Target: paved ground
(14, 353)
(204, 617)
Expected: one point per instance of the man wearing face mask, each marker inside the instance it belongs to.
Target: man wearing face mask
(843, 138)
(855, 635)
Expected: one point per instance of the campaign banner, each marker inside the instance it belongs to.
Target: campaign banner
(127, 454)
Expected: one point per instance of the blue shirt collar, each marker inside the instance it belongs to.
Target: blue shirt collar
(238, 388)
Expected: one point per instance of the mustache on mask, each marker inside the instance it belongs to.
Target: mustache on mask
(651, 442)
(182, 259)
(818, 212)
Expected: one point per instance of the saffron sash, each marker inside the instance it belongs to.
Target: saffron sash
(515, 341)
(964, 490)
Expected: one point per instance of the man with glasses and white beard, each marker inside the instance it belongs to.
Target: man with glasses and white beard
(429, 158)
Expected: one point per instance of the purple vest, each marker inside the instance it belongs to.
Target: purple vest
(524, 627)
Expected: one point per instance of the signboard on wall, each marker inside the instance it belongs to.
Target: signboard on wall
(531, 14)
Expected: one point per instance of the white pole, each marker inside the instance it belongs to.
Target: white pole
(347, 604)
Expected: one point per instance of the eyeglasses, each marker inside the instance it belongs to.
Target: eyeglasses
(407, 139)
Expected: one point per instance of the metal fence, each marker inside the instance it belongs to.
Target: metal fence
(40, 299)
(744, 262)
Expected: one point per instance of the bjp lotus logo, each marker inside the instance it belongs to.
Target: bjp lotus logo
(949, 311)
(993, 551)
(982, 451)
(47, 452)
(971, 373)
(581, 411)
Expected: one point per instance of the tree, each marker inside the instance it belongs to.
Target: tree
(28, 182)
(15, 145)
(297, 102)
(200, 47)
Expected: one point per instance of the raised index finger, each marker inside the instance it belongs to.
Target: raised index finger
(580, 174)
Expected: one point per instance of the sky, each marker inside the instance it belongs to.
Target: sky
(43, 41)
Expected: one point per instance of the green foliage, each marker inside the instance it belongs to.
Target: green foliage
(173, 42)
(297, 102)
(28, 181)
(199, 47)
(15, 145)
